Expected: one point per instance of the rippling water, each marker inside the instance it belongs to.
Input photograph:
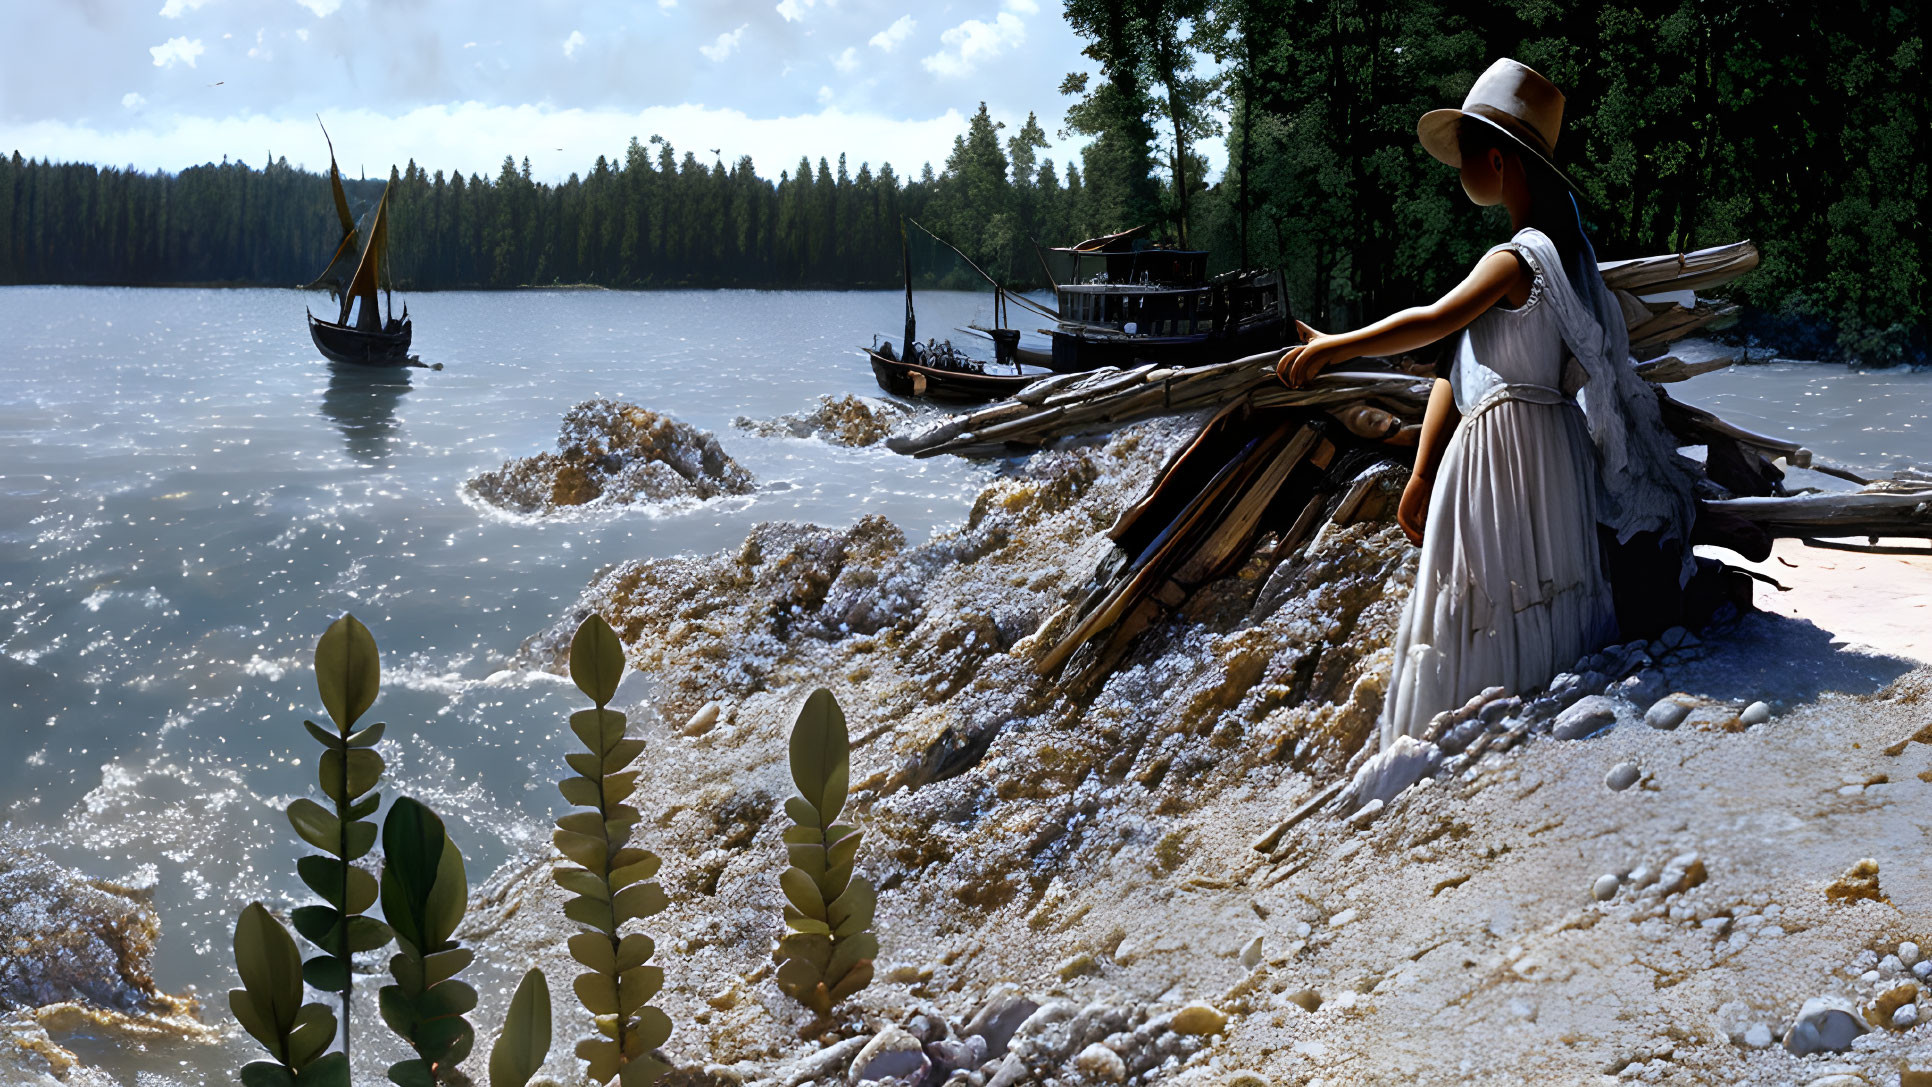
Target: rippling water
(188, 495)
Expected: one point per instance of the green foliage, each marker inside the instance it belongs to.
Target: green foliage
(1688, 124)
(347, 675)
(826, 953)
(609, 880)
(424, 893)
(525, 1041)
(269, 1007)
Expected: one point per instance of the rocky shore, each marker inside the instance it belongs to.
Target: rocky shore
(614, 454)
(1694, 860)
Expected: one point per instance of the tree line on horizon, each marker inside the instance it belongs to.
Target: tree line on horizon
(1690, 123)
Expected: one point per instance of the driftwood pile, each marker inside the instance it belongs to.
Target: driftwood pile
(1275, 464)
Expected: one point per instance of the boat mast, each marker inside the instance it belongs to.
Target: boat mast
(912, 328)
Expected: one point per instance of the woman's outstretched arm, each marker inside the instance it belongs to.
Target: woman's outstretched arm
(1487, 284)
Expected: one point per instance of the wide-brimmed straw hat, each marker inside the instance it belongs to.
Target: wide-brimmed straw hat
(1511, 98)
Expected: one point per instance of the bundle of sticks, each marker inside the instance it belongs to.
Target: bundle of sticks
(1277, 464)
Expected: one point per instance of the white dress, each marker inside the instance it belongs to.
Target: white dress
(1510, 589)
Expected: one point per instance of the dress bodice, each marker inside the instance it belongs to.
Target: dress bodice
(1512, 346)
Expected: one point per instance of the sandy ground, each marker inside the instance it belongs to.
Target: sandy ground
(1879, 602)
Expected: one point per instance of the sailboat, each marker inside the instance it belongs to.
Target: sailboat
(361, 333)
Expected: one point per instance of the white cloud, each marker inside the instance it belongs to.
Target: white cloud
(847, 61)
(794, 10)
(666, 5)
(571, 43)
(176, 50)
(322, 8)
(302, 33)
(824, 95)
(133, 100)
(1022, 7)
(893, 36)
(726, 44)
(973, 41)
(175, 9)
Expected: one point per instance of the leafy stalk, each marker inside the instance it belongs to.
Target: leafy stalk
(270, 1008)
(826, 953)
(424, 893)
(347, 674)
(610, 880)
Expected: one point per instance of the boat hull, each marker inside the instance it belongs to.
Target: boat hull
(360, 348)
(901, 378)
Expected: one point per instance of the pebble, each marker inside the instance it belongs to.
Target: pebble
(1905, 1017)
(1605, 887)
(1824, 1023)
(1622, 776)
(1922, 968)
(1666, 713)
(1756, 713)
(1251, 954)
(1908, 953)
(1758, 1036)
(1097, 1062)
(1590, 714)
(1891, 964)
(1682, 872)
(1673, 637)
(702, 721)
(891, 1054)
(1338, 921)
(1204, 1019)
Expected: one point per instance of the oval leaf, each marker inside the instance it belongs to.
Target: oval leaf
(525, 1040)
(818, 743)
(316, 826)
(270, 967)
(803, 892)
(596, 659)
(348, 671)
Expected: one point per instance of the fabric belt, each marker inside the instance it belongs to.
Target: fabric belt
(1524, 392)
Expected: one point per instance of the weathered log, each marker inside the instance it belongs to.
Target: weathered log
(1671, 369)
(1681, 271)
(1868, 512)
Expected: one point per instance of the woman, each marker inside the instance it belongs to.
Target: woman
(1511, 476)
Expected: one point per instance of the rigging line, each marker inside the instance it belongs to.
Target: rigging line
(1023, 300)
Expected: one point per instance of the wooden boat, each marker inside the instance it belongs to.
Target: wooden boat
(939, 370)
(361, 334)
(1128, 302)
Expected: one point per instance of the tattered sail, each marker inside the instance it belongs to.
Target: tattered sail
(369, 273)
(332, 274)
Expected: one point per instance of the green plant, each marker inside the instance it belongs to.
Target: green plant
(610, 880)
(269, 1006)
(525, 1039)
(826, 953)
(424, 893)
(348, 673)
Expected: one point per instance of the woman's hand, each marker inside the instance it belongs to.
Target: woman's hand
(1299, 365)
(1412, 512)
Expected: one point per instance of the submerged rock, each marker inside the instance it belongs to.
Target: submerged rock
(614, 454)
(841, 420)
(77, 959)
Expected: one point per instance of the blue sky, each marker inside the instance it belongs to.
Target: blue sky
(458, 84)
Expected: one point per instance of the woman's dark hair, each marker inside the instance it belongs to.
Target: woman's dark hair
(1553, 209)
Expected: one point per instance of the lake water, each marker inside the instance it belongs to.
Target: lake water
(189, 495)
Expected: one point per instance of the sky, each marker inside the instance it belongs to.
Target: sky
(459, 84)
